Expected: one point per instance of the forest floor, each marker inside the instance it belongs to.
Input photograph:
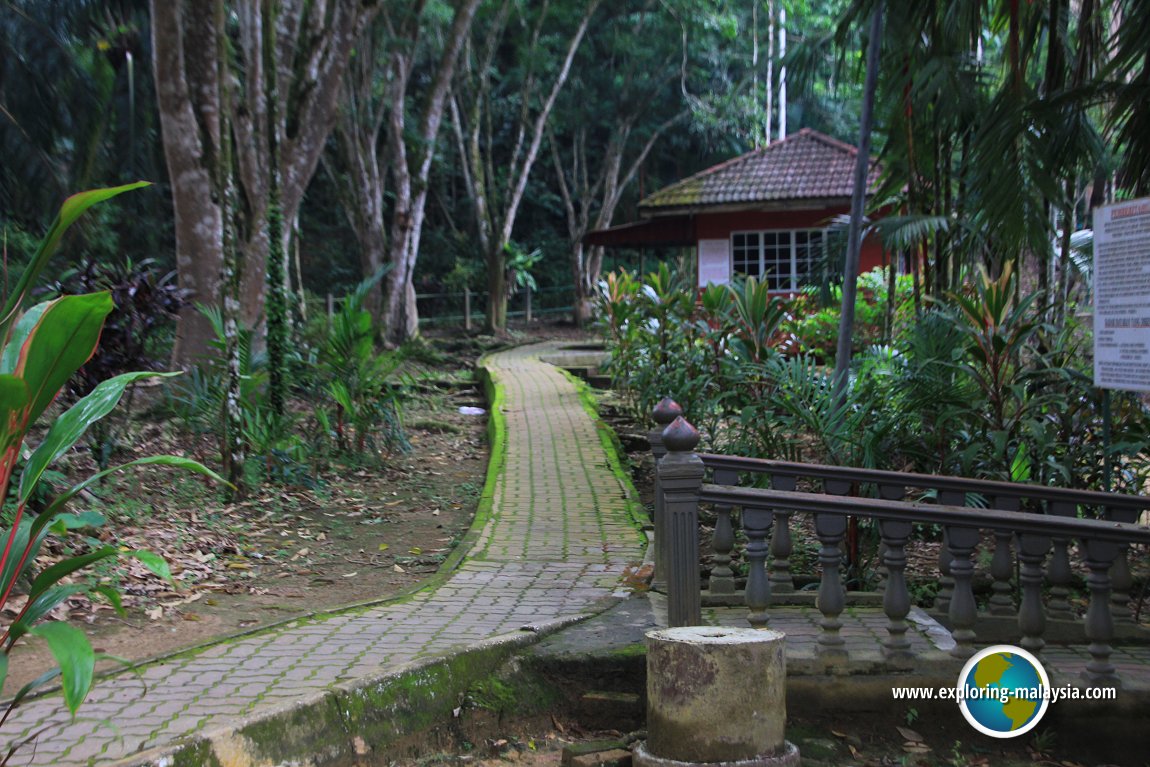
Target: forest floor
(359, 529)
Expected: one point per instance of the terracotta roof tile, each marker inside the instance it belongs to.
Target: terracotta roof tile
(805, 165)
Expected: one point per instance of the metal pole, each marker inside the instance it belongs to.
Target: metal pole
(1107, 422)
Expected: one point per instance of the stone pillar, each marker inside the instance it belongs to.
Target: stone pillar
(716, 695)
(680, 477)
(666, 411)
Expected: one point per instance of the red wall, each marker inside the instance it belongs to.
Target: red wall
(717, 226)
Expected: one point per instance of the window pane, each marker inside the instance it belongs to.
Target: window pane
(777, 261)
(745, 253)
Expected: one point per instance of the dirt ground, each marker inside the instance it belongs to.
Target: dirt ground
(368, 530)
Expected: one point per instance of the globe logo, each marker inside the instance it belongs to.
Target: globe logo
(1003, 691)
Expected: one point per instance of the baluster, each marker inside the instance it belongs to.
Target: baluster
(756, 524)
(664, 413)
(1031, 619)
(1058, 573)
(831, 528)
(887, 492)
(722, 580)
(962, 612)
(946, 582)
(782, 582)
(1100, 556)
(681, 475)
(1121, 581)
(895, 598)
(1002, 564)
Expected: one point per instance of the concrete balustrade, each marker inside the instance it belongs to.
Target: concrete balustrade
(1029, 553)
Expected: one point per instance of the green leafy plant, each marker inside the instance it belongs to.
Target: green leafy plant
(198, 399)
(356, 379)
(43, 347)
(519, 264)
(997, 329)
(146, 303)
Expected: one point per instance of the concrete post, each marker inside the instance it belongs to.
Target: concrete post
(716, 696)
(681, 476)
(467, 308)
(666, 411)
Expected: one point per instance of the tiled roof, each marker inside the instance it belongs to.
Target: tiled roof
(806, 165)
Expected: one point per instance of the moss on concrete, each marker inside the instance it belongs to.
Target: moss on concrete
(197, 755)
(635, 650)
(384, 714)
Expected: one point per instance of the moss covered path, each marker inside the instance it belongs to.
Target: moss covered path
(552, 539)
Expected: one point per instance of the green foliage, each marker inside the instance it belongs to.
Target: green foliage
(706, 356)
(814, 319)
(519, 264)
(978, 385)
(199, 398)
(146, 303)
(43, 348)
(355, 380)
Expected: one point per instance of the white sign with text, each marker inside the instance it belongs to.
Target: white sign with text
(1122, 296)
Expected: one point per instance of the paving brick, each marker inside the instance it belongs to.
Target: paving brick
(554, 546)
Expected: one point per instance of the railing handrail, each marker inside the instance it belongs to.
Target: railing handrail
(995, 488)
(928, 513)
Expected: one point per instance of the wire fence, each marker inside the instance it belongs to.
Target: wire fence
(468, 308)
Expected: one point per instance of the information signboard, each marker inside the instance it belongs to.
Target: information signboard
(1122, 296)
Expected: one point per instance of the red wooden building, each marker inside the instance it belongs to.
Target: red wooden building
(765, 214)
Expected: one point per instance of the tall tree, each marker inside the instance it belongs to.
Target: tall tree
(610, 119)
(501, 110)
(411, 153)
(313, 43)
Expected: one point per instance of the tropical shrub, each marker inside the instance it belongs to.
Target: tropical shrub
(704, 354)
(364, 404)
(814, 314)
(43, 347)
(146, 302)
(978, 385)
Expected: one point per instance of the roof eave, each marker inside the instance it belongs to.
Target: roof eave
(759, 206)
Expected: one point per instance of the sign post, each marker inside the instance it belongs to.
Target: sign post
(1121, 305)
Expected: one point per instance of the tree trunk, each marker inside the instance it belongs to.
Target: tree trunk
(782, 73)
(521, 166)
(496, 293)
(313, 44)
(401, 316)
(770, 66)
(854, 235)
(191, 143)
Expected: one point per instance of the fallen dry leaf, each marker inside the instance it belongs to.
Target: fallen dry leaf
(909, 734)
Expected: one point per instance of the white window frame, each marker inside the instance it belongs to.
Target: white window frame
(793, 285)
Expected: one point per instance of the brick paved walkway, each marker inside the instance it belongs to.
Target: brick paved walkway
(554, 547)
